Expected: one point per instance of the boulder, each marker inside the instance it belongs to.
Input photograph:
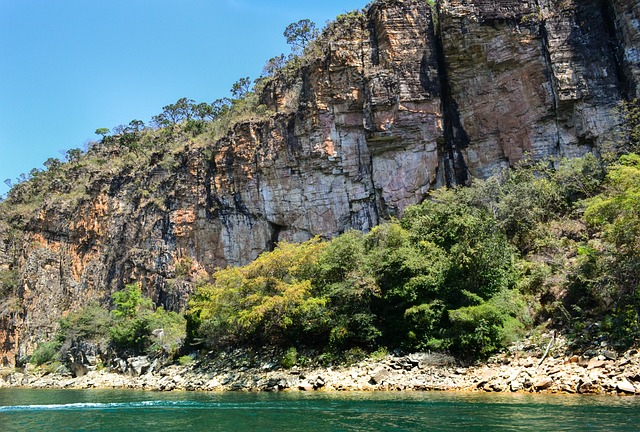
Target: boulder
(378, 376)
(542, 383)
(138, 365)
(625, 386)
(78, 369)
(319, 383)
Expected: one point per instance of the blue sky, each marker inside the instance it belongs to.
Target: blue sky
(68, 67)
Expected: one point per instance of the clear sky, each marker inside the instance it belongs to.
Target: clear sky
(68, 67)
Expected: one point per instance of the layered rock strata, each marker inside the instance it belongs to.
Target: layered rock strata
(535, 78)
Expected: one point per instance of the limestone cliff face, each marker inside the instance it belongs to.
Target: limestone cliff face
(389, 107)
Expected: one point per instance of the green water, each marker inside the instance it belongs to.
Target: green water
(117, 410)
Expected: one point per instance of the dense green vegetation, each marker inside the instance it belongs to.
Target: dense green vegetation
(467, 271)
(134, 326)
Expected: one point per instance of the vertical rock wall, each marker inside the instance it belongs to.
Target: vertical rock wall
(534, 78)
(625, 21)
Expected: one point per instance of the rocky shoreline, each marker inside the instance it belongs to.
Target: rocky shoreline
(594, 372)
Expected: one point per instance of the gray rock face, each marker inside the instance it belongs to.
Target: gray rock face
(530, 79)
(387, 109)
(626, 19)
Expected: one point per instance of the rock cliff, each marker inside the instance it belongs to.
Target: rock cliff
(391, 103)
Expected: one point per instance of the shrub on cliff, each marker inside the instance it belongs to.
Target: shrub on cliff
(605, 285)
(134, 320)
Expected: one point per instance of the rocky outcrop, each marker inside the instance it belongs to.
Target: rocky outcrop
(386, 107)
(517, 372)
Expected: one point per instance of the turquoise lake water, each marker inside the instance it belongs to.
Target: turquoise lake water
(117, 410)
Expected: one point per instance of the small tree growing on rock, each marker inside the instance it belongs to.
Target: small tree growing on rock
(300, 33)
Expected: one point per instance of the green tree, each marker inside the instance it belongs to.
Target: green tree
(103, 132)
(616, 214)
(130, 302)
(267, 302)
(240, 88)
(344, 279)
(74, 155)
(273, 65)
(172, 114)
(300, 33)
(135, 317)
(52, 164)
(220, 107)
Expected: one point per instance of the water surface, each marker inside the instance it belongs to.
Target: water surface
(118, 410)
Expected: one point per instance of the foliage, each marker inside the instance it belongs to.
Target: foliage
(290, 358)
(186, 360)
(132, 336)
(300, 33)
(241, 87)
(102, 132)
(274, 65)
(487, 327)
(616, 212)
(261, 303)
(91, 323)
(45, 352)
(135, 319)
(133, 327)
(184, 267)
(343, 279)
(605, 285)
(8, 283)
(130, 302)
(459, 272)
(395, 285)
(173, 331)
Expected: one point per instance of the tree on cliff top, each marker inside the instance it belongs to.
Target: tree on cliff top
(300, 33)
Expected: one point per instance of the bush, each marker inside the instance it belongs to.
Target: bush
(396, 285)
(8, 283)
(133, 327)
(46, 352)
(90, 323)
(172, 335)
(290, 358)
(186, 360)
(604, 286)
(132, 335)
(266, 302)
(135, 319)
(344, 279)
